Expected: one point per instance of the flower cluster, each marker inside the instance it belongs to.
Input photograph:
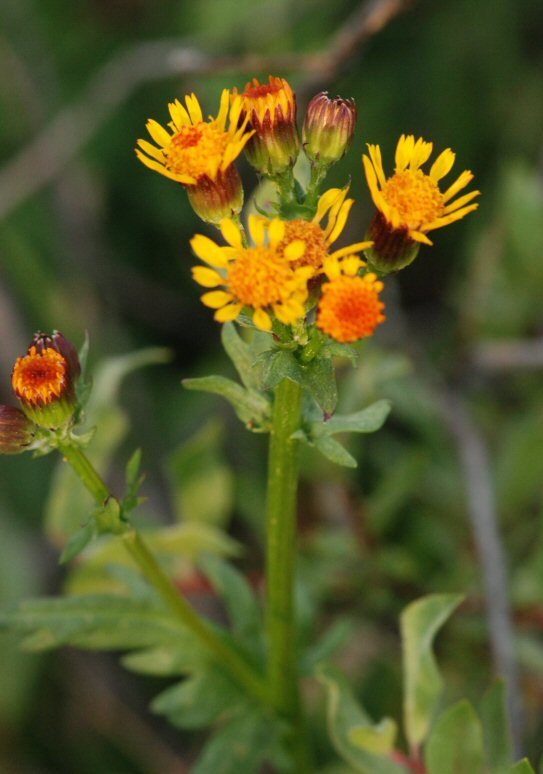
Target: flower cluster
(44, 381)
(286, 270)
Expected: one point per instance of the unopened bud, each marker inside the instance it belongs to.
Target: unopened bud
(328, 128)
(16, 430)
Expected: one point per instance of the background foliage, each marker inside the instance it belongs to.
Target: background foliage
(103, 247)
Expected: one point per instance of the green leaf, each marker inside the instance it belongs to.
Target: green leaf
(243, 609)
(133, 481)
(456, 742)
(100, 622)
(496, 729)
(359, 742)
(250, 407)
(199, 700)
(332, 639)
(241, 355)
(202, 482)
(335, 452)
(522, 767)
(281, 365)
(319, 379)
(420, 622)
(182, 657)
(78, 541)
(367, 420)
(336, 349)
(242, 746)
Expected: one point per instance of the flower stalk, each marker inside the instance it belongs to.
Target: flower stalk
(281, 563)
(136, 546)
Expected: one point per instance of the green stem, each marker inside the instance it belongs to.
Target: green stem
(86, 472)
(318, 174)
(225, 656)
(281, 558)
(228, 658)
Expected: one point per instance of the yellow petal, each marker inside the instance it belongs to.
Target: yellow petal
(404, 151)
(158, 133)
(206, 277)
(228, 313)
(371, 177)
(276, 231)
(262, 320)
(421, 153)
(418, 236)
(216, 298)
(351, 265)
(341, 220)
(179, 115)
(458, 215)
(325, 202)
(461, 182)
(208, 251)
(331, 268)
(295, 250)
(442, 165)
(158, 167)
(223, 109)
(357, 247)
(231, 233)
(377, 161)
(152, 150)
(257, 229)
(463, 200)
(193, 106)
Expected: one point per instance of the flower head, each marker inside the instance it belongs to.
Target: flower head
(328, 128)
(270, 109)
(260, 278)
(410, 202)
(16, 430)
(200, 154)
(43, 382)
(334, 208)
(350, 307)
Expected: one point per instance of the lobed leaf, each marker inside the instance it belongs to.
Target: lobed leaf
(456, 742)
(250, 406)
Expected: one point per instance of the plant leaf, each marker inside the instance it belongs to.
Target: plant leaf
(281, 365)
(250, 407)
(367, 420)
(78, 541)
(241, 355)
(319, 379)
(522, 767)
(345, 718)
(420, 622)
(335, 452)
(456, 742)
(497, 735)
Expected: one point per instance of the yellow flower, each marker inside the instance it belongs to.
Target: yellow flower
(410, 202)
(350, 308)
(200, 154)
(258, 277)
(270, 109)
(319, 238)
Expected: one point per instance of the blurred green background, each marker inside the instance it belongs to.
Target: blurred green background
(102, 246)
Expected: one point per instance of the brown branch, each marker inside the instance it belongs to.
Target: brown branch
(65, 136)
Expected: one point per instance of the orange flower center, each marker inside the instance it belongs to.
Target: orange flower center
(350, 308)
(261, 89)
(40, 378)
(312, 234)
(416, 197)
(196, 150)
(259, 277)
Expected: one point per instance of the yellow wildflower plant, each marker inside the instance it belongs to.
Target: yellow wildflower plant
(410, 203)
(260, 277)
(200, 154)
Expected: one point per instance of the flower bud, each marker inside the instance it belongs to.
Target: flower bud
(271, 112)
(16, 430)
(328, 128)
(215, 199)
(43, 381)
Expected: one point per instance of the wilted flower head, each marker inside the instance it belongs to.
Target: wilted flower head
(328, 128)
(410, 202)
(270, 109)
(200, 154)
